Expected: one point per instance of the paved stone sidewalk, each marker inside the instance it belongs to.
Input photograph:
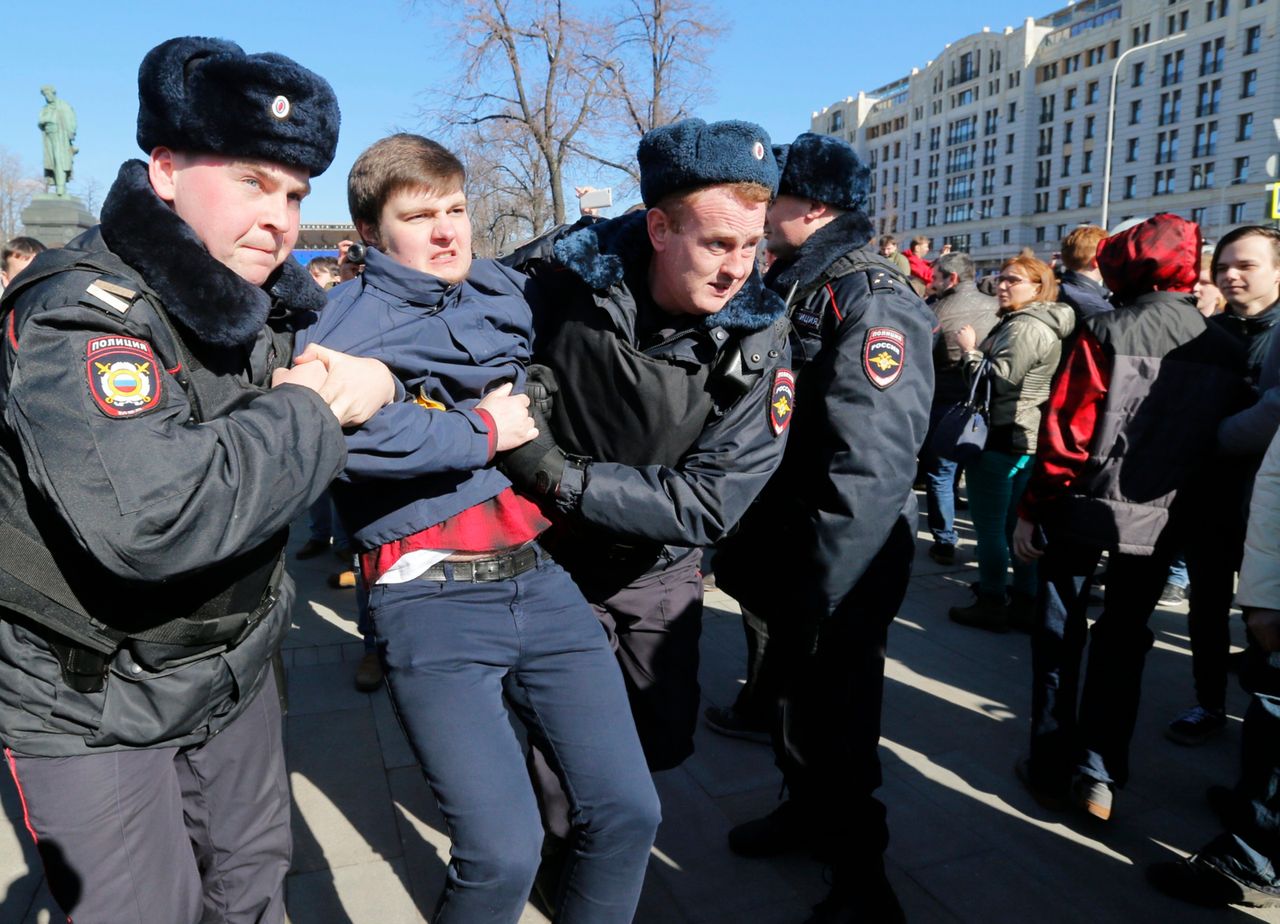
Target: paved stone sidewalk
(968, 844)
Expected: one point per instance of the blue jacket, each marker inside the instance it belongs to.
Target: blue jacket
(1086, 296)
(411, 466)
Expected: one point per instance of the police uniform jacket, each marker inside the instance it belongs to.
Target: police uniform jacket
(151, 472)
(676, 423)
(424, 458)
(861, 343)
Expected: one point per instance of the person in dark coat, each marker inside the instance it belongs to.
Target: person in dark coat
(665, 354)
(1080, 284)
(1239, 866)
(1247, 261)
(148, 474)
(1109, 475)
(823, 558)
(959, 303)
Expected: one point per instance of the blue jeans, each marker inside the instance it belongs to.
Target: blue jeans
(1249, 850)
(1087, 729)
(996, 482)
(456, 656)
(940, 487)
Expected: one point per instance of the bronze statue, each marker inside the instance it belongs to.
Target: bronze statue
(58, 123)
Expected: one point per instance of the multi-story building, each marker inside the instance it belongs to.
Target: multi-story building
(1001, 142)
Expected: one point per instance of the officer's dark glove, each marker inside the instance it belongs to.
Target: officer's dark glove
(538, 466)
(541, 387)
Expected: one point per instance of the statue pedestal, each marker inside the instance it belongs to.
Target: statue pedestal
(54, 221)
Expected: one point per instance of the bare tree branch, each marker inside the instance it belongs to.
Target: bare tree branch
(543, 89)
(17, 185)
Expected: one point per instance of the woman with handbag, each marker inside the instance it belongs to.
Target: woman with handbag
(1019, 357)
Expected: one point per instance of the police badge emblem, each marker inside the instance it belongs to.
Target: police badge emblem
(883, 354)
(122, 376)
(782, 400)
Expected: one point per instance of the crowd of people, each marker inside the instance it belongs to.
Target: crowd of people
(527, 457)
(1087, 368)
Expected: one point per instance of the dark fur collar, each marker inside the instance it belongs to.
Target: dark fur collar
(851, 231)
(206, 298)
(601, 253)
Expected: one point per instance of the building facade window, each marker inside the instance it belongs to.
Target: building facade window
(1206, 139)
(1212, 56)
(1248, 84)
(1244, 130)
(1202, 175)
(1209, 95)
(1253, 40)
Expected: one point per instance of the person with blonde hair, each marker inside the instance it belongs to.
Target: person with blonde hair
(1018, 357)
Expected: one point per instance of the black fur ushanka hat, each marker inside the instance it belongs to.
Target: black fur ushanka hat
(825, 169)
(207, 95)
(691, 153)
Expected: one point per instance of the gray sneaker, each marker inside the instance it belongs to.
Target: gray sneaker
(1093, 796)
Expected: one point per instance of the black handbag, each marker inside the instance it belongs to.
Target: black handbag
(961, 432)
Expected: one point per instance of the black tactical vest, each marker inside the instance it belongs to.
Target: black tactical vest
(48, 578)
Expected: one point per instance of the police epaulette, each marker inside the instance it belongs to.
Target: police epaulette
(113, 292)
(880, 280)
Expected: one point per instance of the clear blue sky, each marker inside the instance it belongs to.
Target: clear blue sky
(778, 62)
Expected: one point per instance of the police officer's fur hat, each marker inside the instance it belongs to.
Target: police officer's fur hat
(825, 169)
(207, 95)
(690, 154)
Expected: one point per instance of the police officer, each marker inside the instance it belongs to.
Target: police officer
(147, 477)
(664, 352)
(825, 555)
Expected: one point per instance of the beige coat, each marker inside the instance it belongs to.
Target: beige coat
(1260, 573)
(1024, 349)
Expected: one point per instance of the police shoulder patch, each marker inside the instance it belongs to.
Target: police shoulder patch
(782, 400)
(883, 354)
(122, 375)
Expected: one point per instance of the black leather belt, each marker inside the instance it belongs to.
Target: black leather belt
(483, 570)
